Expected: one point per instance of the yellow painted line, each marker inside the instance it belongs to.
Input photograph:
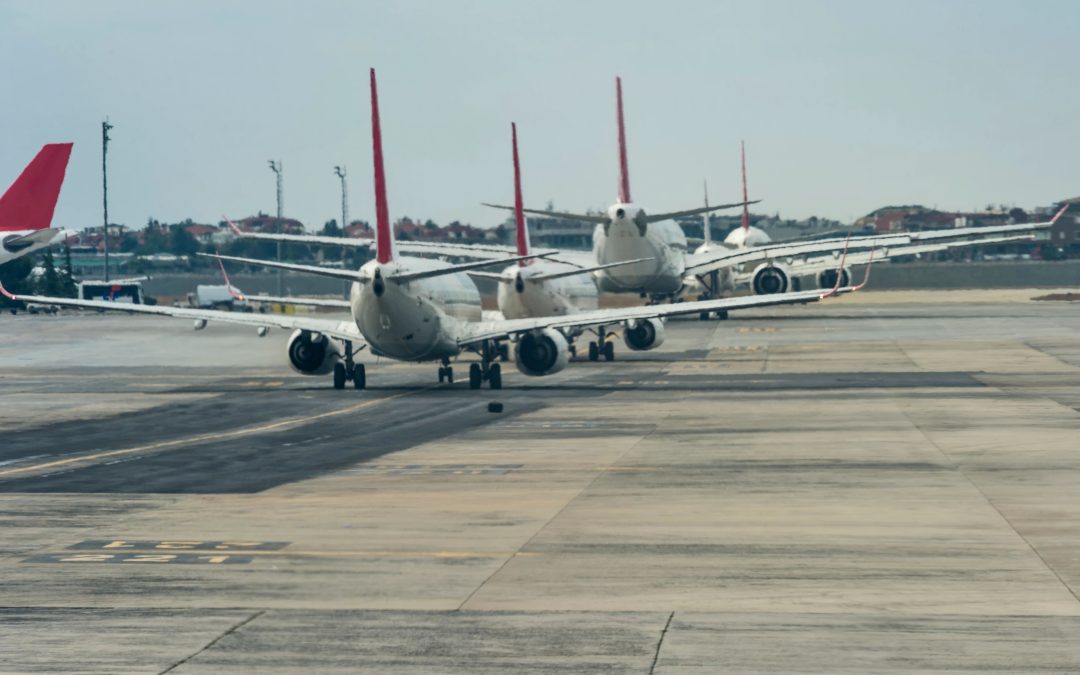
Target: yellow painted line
(202, 438)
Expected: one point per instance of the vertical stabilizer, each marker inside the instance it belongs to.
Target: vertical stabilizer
(29, 203)
(385, 250)
(624, 172)
(523, 247)
(745, 207)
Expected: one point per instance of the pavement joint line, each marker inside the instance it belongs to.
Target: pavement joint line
(213, 642)
(991, 504)
(202, 438)
(555, 516)
(316, 554)
(660, 643)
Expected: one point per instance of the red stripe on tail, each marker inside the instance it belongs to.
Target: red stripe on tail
(523, 247)
(29, 203)
(624, 171)
(745, 207)
(384, 237)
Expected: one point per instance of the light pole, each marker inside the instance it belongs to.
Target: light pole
(105, 126)
(276, 168)
(339, 171)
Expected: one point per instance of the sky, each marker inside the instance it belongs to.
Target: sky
(845, 106)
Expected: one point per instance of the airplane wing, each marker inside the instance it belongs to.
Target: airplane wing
(342, 330)
(657, 217)
(585, 270)
(487, 251)
(355, 275)
(585, 218)
(791, 253)
(295, 300)
(492, 330)
(810, 266)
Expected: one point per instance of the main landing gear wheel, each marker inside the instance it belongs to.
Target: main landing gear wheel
(609, 351)
(722, 315)
(359, 377)
(339, 376)
(446, 373)
(495, 376)
(594, 352)
(476, 376)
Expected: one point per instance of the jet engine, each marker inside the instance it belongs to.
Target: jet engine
(770, 278)
(311, 354)
(827, 278)
(644, 334)
(542, 352)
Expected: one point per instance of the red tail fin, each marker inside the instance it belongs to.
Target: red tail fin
(624, 172)
(29, 203)
(745, 207)
(384, 236)
(523, 247)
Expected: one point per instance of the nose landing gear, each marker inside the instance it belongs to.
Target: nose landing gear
(446, 373)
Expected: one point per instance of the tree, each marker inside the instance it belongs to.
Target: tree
(181, 242)
(67, 278)
(49, 282)
(14, 275)
(330, 229)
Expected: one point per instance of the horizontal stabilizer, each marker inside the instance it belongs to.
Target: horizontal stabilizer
(657, 217)
(403, 277)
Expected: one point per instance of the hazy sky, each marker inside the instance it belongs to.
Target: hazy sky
(845, 106)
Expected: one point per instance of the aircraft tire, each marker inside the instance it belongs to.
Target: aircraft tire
(594, 352)
(359, 377)
(339, 376)
(609, 351)
(495, 376)
(475, 376)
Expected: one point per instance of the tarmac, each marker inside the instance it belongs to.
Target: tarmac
(883, 483)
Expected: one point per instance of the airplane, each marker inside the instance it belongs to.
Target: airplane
(26, 208)
(422, 310)
(545, 287)
(626, 232)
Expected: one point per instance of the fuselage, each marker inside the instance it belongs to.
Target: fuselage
(17, 243)
(417, 320)
(520, 297)
(626, 236)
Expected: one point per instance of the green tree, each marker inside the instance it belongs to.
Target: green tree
(15, 275)
(67, 277)
(49, 282)
(331, 229)
(181, 242)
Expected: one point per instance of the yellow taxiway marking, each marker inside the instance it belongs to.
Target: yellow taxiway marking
(202, 438)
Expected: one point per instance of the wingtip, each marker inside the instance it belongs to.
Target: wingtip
(6, 293)
(1060, 213)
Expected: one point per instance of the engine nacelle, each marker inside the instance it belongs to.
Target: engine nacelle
(827, 278)
(312, 354)
(771, 278)
(644, 334)
(541, 352)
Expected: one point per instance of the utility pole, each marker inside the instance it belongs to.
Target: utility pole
(276, 168)
(339, 171)
(105, 126)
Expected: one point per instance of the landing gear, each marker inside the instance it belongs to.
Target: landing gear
(504, 352)
(344, 372)
(603, 346)
(487, 369)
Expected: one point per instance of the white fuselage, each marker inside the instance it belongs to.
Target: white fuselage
(418, 320)
(737, 239)
(520, 297)
(17, 243)
(626, 237)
